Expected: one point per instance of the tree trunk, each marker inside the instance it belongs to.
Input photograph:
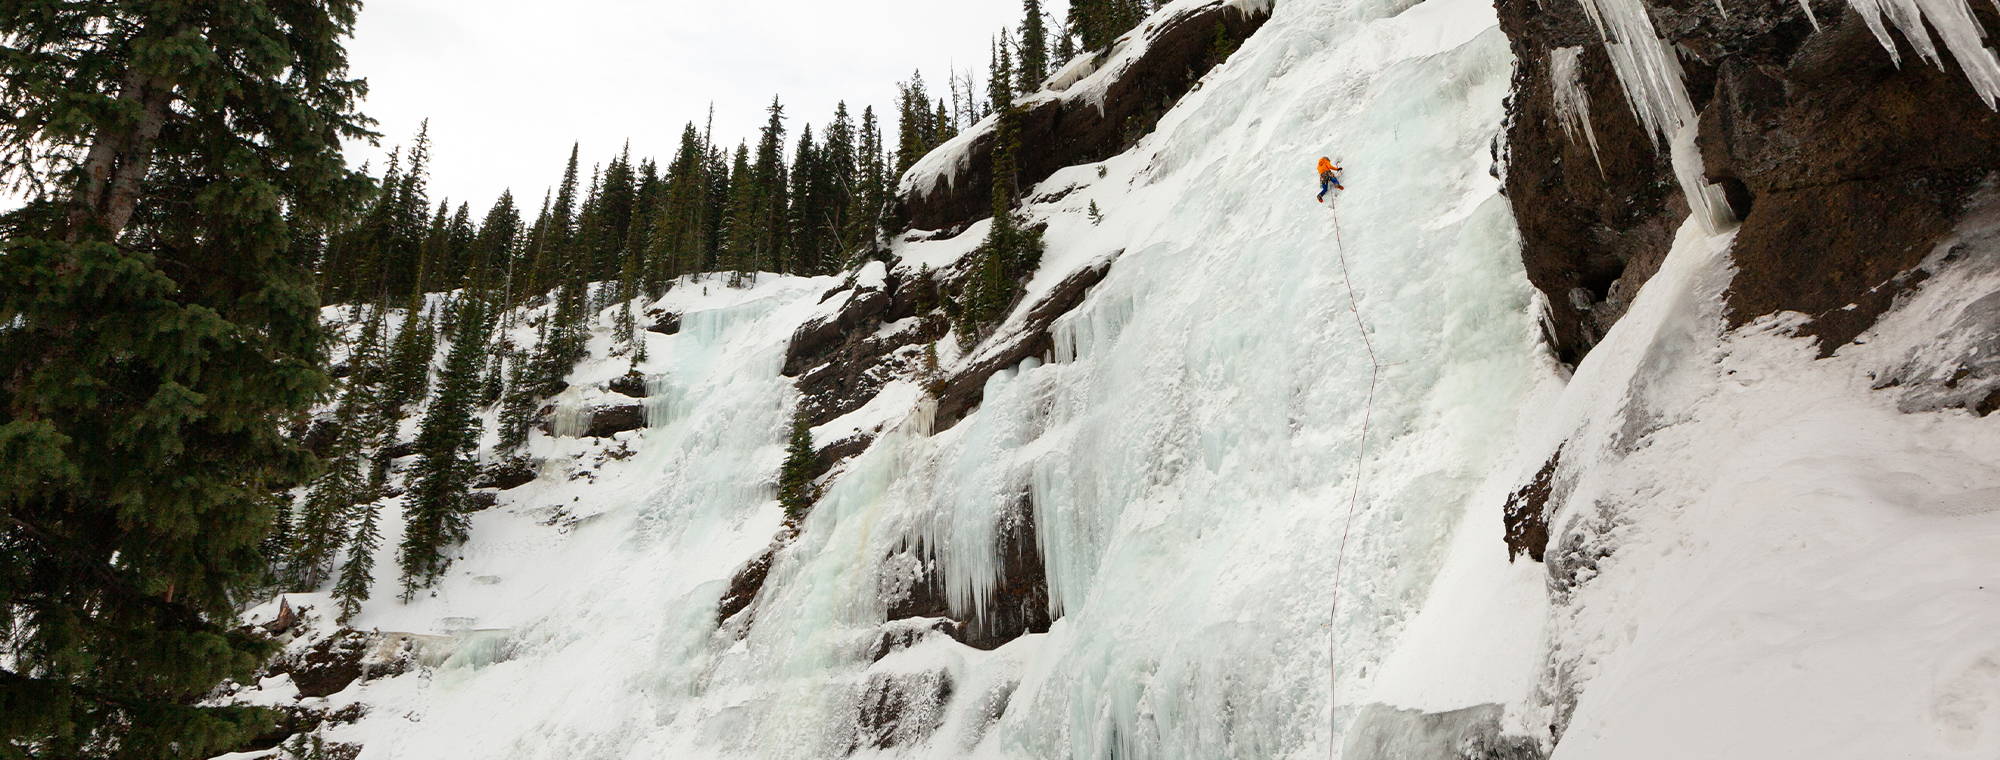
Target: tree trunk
(117, 162)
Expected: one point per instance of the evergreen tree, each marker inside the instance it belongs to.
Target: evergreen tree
(769, 193)
(155, 336)
(321, 524)
(517, 406)
(914, 130)
(406, 376)
(795, 478)
(492, 250)
(680, 241)
(740, 220)
(839, 175)
(357, 574)
(434, 520)
(1034, 47)
(873, 180)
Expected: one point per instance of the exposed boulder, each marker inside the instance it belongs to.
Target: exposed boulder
(605, 420)
(743, 588)
(668, 323)
(328, 666)
(1526, 515)
(630, 384)
(481, 500)
(1078, 127)
(321, 435)
(506, 474)
(900, 709)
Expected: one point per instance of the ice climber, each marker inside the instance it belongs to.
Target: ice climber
(1329, 177)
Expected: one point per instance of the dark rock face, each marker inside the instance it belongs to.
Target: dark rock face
(900, 709)
(841, 361)
(399, 449)
(962, 392)
(506, 474)
(743, 588)
(328, 666)
(606, 420)
(630, 384)
(1845, 169)
(666, 324)
(1526, 516)
(321, 436)
(1064, 132)
(898, 635)
(1018, 604)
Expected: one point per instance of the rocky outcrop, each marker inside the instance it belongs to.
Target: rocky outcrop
(604, 420)
(1525, 518)
(667, 323)
(962, 391)
(630, 384)
(900, 709)
(743, 588)
(843, 359)
(1845, 169)
(1079, 128)
(506, 474)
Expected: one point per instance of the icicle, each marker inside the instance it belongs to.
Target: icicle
(1654, 87)
(1571, 99)
(1955, 24)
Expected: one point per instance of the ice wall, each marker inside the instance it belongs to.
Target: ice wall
(1186, 455)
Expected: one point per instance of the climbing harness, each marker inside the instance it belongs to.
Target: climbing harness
(1354, 497)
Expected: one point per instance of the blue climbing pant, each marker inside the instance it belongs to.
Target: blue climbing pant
(1327, 182)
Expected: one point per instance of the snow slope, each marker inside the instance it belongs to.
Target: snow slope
(1761, 556)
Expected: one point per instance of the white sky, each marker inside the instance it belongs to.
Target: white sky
(509, 84)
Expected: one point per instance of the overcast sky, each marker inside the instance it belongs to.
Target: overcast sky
(509, 84)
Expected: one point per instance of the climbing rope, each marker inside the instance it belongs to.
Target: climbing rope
(1353, 498)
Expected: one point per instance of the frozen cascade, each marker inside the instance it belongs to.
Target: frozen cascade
(572, 415)
(1184, 459)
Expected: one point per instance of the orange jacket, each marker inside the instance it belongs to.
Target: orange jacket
(1326, 166)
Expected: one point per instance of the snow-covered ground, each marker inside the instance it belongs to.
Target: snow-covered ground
(1760, 556)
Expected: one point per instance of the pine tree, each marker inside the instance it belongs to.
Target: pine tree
(1034, 47)
(357, 574)
(517, 406)
(771, 191)
(149, 303)
(740, 220)
(434, 519)
(873, 180)
(839, 168)
(321, 524)
(795, 478)
(406, 376)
